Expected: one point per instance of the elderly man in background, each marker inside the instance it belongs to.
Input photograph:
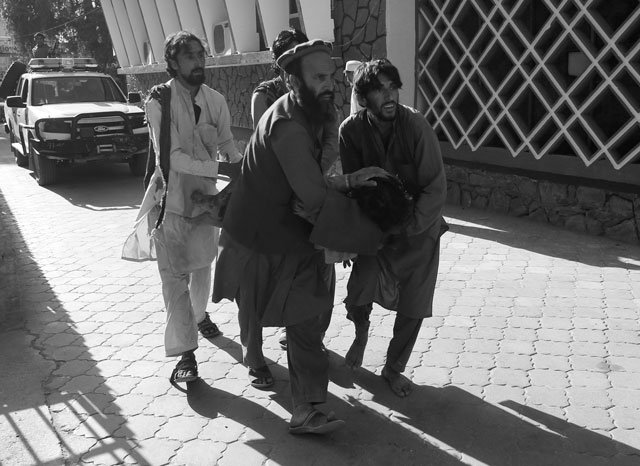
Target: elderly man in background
(349, 69)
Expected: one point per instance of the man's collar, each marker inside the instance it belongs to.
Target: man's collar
(181, 88)
(373, 121)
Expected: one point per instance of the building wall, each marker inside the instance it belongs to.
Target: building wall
(536, 106)
(594, 210)
(360, 35)
(236, 83)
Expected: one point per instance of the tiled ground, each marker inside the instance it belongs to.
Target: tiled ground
(532, 357)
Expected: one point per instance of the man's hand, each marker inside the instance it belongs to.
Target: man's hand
(363, 177)
(207, 201)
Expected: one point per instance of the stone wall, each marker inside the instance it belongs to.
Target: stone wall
(236, 83)
(585, 209)
(360, 32)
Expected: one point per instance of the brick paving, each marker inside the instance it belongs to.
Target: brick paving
(532, 357)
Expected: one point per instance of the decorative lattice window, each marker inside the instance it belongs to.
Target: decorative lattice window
(544, 76)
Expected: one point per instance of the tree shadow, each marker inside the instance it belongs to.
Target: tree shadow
(508, 433)
(542, 238)
(49, 381)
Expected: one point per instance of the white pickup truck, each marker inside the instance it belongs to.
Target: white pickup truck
(66, 112)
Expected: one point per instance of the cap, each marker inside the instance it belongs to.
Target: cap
(352, 65)
(300, 50)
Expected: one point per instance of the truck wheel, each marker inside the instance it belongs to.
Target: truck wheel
(46, 170)
(21, 160)
(138, 165)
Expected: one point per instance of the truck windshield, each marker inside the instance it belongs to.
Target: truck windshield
(73, 89)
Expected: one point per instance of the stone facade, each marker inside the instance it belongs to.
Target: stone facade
(580, 208)
(360, 32)
(360, 35)
(236, 83)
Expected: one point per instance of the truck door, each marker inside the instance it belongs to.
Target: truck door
(22, 116)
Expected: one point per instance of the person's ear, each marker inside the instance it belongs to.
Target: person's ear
(173, 64)
(293, 81)
(361, 100)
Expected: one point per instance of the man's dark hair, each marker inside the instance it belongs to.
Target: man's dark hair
(39, 34)
(285, 40)
(174, 43)
(387, 204)
(366, 79)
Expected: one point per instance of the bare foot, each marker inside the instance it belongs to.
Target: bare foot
(398, 383)
(355, 355)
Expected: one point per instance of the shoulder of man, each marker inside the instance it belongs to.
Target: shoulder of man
(273, 86)
(159, 91)
(413, 118)
(211, 93)
(353, 122)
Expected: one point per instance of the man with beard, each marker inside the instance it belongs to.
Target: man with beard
(189, 126)
(401, 276)
(269, 259)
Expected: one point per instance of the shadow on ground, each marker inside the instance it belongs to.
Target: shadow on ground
(112, 186)
(368, 438)
(543, 239)
(443, 426)
(37, 338)
(505, 434)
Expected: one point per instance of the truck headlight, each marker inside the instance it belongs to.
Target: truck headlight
(54, 129)
(137, 120)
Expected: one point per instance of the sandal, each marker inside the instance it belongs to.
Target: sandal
(307, 427)
(207, 328)
(186, 370)
(282, 339)
(261, 377)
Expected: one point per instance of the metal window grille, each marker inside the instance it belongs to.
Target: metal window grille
(538, 76)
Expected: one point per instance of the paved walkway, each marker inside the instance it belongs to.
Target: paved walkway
(532, 358)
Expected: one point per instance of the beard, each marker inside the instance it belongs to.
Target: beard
(196, 77)
(319, 110)
(380, 115)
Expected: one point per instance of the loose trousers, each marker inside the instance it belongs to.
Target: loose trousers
(307, 360)
(185, 298)
(405, 334)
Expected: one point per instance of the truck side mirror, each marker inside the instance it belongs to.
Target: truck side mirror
(134, 97)
(15, 101)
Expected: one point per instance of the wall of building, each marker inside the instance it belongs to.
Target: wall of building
(360, 35)
(236, 83)
(595, 210)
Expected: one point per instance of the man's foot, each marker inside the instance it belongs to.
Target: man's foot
(261, 377)
(398, 383)
(282, 339)
(207, 328)
(314, 422)
(355, 355)
(186, 370)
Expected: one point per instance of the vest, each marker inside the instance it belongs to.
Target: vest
(259, 215)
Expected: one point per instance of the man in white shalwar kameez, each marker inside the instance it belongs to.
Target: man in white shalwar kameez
(185, 248)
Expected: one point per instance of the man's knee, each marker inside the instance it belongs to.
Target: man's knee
(359, 314)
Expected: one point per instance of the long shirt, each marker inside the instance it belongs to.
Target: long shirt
(196, 147)
(412, 153)
(401, 276)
